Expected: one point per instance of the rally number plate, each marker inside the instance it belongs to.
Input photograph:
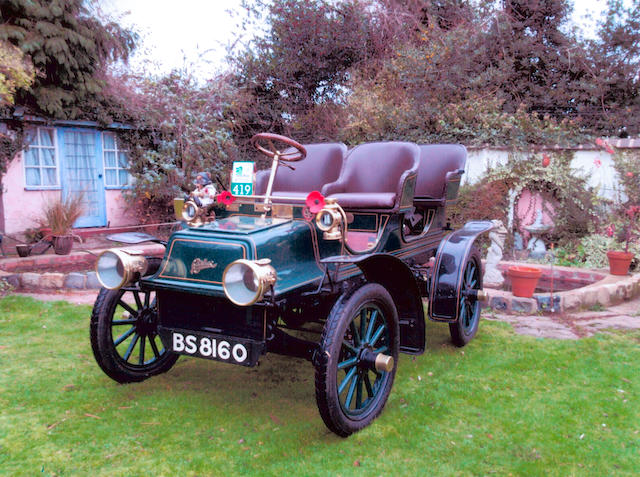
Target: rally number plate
(228, 349)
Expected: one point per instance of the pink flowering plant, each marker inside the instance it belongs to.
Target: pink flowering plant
(625, 227)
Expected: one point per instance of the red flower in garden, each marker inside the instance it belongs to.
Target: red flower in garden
(546, 160)
(629, 174)
(226, 198)
(315, 201)
(610, 231)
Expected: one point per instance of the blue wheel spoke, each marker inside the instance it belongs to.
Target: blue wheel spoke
(372, 322)
(348, 362)
(349, 347)
(152, 342)
(356, 336)
(124, 336)
(367, 384)
(381, 349)
(352, 388)
(377, 335)
(363, 322)
(141, 357)
(359, 392)
(131, 311)
(132, 345)
(136, 296)
(130, 321)
(346, 379)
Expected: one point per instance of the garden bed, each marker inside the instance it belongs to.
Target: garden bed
(573, 289)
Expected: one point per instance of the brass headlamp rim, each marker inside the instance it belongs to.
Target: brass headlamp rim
(263, 271)
(196, 216)
(132, 262)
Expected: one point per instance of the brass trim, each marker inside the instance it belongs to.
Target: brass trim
(200, 264)
(384, 362)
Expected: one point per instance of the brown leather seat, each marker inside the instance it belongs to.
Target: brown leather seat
(321, 166)
(375, 176)
(441, 166)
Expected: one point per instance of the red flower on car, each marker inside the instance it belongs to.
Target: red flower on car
(597, 162)
(226, 198)
(315, 201)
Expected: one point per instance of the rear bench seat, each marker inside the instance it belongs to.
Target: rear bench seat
(439, 173)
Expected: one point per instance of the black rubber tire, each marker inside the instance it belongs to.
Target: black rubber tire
(331, 351)
(117, 366)
(466, 327)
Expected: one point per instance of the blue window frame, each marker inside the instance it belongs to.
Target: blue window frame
(40, 159)
(115, 162)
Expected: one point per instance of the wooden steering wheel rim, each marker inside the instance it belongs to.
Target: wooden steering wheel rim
(292, 156)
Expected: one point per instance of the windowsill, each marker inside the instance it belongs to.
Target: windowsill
(107, 187)
(37, 188)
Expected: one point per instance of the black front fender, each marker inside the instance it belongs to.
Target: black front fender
(444, 294)
(393, 274)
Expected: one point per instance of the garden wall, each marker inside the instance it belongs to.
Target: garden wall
(596, 163)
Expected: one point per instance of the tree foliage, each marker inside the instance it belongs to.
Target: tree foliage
(16, 72)
(70, 49)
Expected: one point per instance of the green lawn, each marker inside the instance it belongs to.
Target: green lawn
(505, 404)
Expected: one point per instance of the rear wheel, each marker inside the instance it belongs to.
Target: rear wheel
(124, 336)
(351, 390)
(466, 327)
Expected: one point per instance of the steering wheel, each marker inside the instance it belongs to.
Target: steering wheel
(271, 140)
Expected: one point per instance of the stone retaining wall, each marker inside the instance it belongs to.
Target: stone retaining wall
(12, 270)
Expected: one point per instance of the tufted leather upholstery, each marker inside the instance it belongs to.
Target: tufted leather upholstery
(439, 164)
(321, 166)
(374, 175)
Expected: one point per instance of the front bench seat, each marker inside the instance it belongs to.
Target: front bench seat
(378, 176)
(321, 166)
(441, 167)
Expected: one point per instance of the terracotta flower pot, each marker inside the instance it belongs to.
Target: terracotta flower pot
(62, 244)
(619, 262)
(524, 280)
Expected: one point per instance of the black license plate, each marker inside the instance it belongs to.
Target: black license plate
(229, 349)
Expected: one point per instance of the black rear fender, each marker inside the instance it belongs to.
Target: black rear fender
(452, 254)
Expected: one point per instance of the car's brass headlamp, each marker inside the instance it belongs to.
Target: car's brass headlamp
(246, 281)
(116, 268)
(192, 214)
(331, 220)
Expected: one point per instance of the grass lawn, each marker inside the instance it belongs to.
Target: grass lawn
(505, 404)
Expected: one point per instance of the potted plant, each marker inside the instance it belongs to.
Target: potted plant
(523, 280)
(619, 261)
(59, 216)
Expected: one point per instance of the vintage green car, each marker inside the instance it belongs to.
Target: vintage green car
(329, 260)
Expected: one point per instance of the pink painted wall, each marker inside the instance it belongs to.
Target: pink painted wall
(22, 208)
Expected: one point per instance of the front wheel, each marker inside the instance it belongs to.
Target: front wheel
(124, 336)
(357, 359)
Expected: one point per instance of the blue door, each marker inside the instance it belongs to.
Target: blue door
(81, 167)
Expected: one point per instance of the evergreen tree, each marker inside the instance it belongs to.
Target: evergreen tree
(70, 50)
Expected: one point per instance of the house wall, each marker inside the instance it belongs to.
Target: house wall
(22, 207)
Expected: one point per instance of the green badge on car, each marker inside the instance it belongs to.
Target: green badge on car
(242, 178)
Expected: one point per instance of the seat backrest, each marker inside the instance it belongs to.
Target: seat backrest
(377, 166)
(436, 160)
(321, 166)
